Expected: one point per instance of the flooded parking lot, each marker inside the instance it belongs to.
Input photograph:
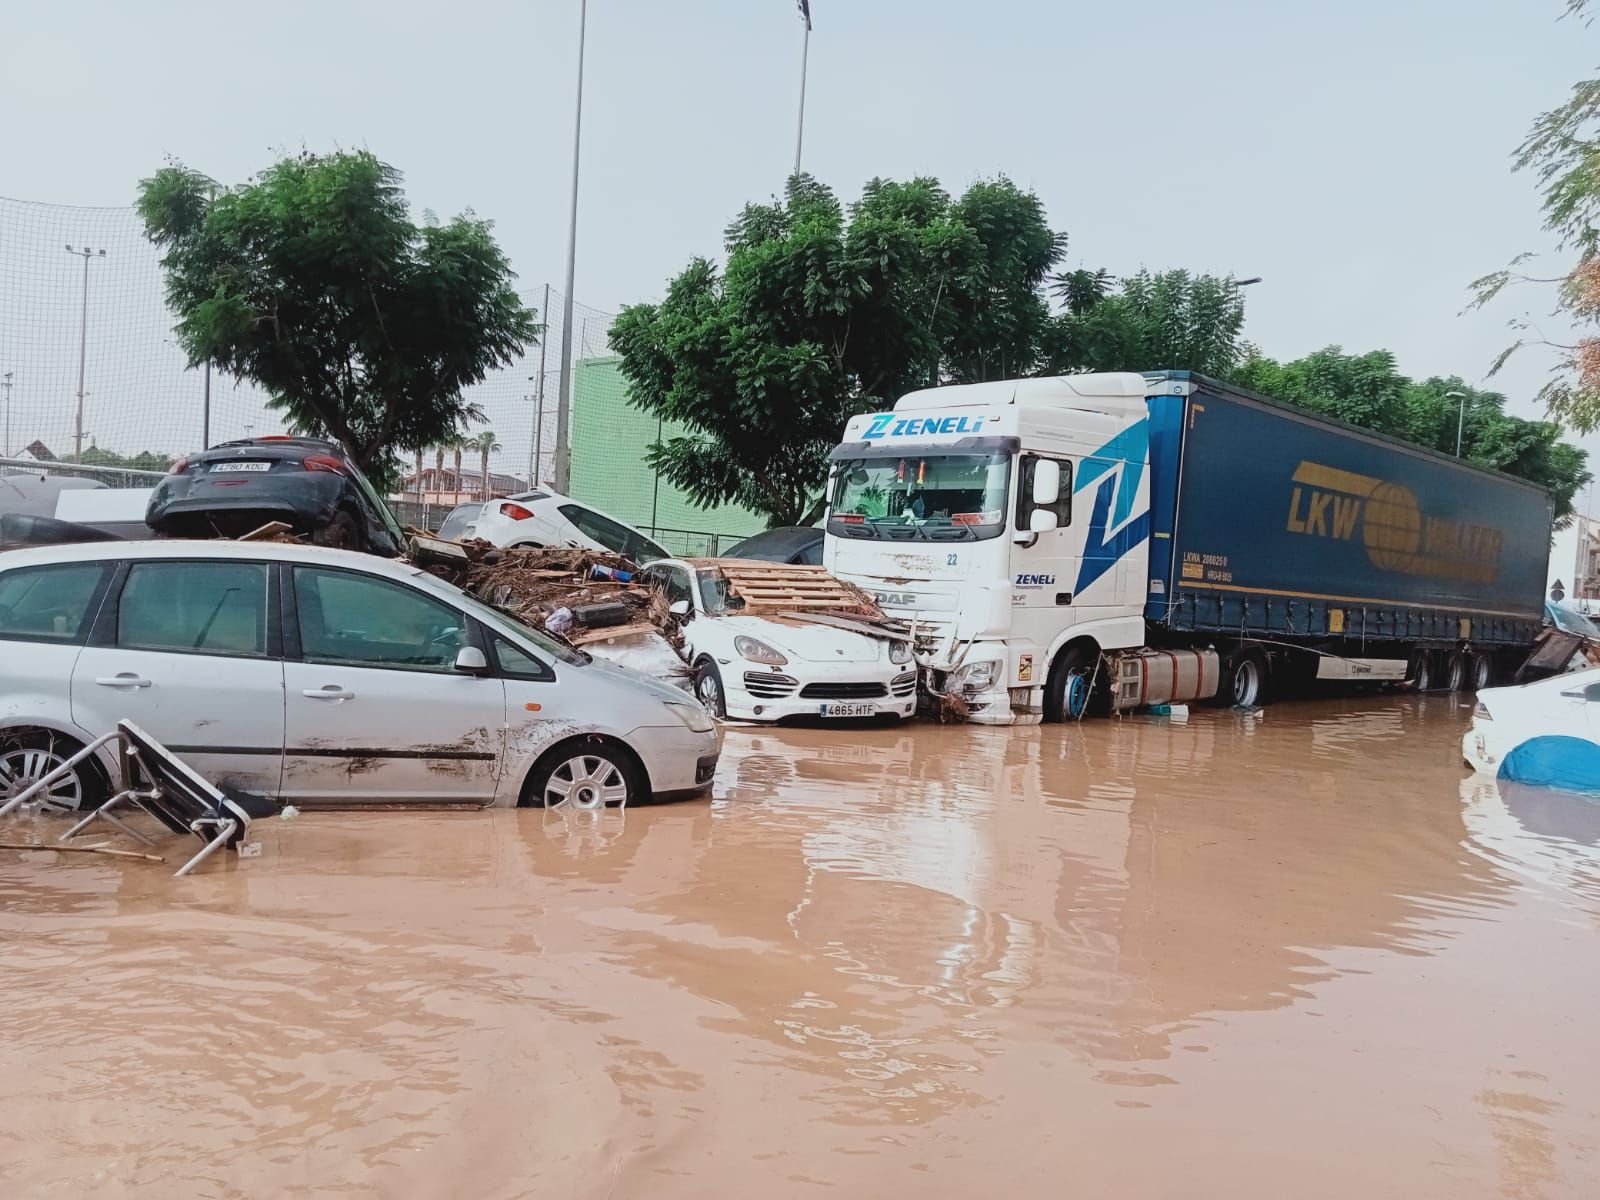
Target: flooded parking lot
(1297, 955)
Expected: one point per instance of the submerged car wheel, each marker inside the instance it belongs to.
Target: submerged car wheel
(27, 757)
(708, 688)
(587, 774)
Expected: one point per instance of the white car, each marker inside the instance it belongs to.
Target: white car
(755, 668)
(321, 676)
(545, 518)
(1541, 733)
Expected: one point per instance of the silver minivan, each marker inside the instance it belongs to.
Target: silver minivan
(322, 677)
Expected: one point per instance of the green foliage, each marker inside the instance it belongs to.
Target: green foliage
(312, 281)
(145, 460)
(1563, 151)
(1369, 390)
(821, 314)
(1170, 320)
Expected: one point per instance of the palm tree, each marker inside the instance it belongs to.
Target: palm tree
(438, 468)
(485, 444)
(416, 480)
(457, 443)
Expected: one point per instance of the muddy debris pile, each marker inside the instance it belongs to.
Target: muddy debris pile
(588, 598)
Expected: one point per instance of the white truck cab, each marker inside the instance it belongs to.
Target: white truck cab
(1004, 521)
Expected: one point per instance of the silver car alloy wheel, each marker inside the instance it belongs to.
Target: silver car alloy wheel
(588, 781)
(23, 766)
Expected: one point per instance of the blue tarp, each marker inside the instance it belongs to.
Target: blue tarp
(1569, 763)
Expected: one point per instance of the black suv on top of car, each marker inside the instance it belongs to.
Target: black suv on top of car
(310, 485)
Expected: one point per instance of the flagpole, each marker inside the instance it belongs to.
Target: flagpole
(805, 53)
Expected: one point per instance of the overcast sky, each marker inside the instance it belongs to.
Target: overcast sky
(1355, 155)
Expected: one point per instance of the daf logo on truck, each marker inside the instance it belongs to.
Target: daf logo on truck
(888, 425)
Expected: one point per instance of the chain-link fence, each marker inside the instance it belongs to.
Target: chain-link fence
(90, 373)
(102, 318)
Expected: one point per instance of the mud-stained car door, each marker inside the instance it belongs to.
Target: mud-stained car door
(377, 711)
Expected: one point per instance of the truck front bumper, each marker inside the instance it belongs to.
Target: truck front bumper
(994, 705)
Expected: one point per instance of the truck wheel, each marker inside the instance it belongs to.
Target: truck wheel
(1244, 680)
(1455, 671)
(1070, 687)
(1482, 673)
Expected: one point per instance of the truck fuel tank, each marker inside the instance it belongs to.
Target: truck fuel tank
(1144, 677)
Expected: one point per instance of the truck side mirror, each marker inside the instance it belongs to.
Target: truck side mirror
(1042, 520)
(679, 608)
(1046, 484)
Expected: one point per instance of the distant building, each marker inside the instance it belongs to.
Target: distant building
(610, 438)
(38, 452)
(1586, 571)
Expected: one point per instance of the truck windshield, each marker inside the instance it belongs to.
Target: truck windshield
(929, 498)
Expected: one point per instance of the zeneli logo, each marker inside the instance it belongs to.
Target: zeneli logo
(879, 424)
(885, 425)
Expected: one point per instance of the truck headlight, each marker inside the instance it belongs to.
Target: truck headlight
(758, 651)
(695, 718)
(899, 652)
(978, 676)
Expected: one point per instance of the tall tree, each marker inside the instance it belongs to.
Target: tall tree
(485, 445)
(1369, 390)
(820, 314)
(1167, 320)
(1563, 152)
(312, 281)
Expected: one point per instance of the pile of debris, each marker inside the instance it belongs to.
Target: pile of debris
(589, 598)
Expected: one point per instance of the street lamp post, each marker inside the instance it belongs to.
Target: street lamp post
(564, 399)
(83, 340)
(1461, 415)
(536, 447)
(5, 382)
(805, 53)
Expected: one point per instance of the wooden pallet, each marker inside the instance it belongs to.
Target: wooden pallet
(789, 587)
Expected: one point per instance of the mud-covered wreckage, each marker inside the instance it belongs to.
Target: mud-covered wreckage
(599, 602)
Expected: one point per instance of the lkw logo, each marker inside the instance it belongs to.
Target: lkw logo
(1396, 533)
(895, 599)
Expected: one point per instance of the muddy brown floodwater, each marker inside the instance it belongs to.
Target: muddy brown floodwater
(1301, 956)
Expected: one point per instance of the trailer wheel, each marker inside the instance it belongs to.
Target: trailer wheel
(1422, 671)
(1455, 671)
(1070, 687)
(1244, 680)
(1482, 673)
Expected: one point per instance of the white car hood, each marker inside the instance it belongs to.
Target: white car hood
(807, 642)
